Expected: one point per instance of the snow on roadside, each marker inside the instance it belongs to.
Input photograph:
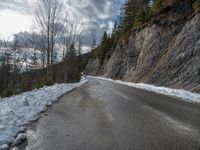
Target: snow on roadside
(18, 111)
(179, 93)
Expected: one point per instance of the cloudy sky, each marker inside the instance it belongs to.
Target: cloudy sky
(96, 15)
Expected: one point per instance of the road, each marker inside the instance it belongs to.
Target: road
(102, 115)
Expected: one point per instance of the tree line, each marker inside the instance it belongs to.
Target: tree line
(134, 14)
(53, 32)
(131, 11)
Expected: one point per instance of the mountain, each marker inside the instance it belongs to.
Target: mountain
(164, 51)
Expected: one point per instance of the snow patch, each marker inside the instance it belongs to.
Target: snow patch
(178, 93)
(18, 111)
(20, 137)
(5, 146)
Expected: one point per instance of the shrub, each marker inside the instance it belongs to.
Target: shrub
(49, 82)
(7, 93)
(96, 53)
(141, 17)
(40, 84)
(196, 5)
(157, 5)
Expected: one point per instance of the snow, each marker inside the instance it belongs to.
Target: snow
(178, 93)
(18, 111)
(20, 137)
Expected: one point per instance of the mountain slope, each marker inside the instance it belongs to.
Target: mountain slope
(165, 52)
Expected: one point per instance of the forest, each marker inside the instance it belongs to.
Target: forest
(50, 53)
(53, 53)
(135, 15)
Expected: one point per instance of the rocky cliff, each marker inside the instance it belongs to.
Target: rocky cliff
(165, 53)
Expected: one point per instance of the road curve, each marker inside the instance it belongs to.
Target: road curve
(102, 115)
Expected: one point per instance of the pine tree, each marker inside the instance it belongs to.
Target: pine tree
(34, 62)
(115, 27)
(80, 58)
(132, 10)
(79, 47)
(94, 44)
(105, 37)
(104, 47)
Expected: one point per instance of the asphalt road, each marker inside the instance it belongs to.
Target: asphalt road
(102, 115)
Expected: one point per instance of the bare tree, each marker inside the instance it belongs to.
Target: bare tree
(72, 34)
(72, 31)
(48, 15)
(39, 44)
(3, 42)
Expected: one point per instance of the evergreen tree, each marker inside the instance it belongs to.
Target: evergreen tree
(80, 58)
(72, 51)
(115, 27)
(106, 46)
(34, 62)
(94, 44)
(79, 47)
(73, 66)
(132, 10)
(104, 38)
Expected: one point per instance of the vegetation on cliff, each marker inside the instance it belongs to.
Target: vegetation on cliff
(136, 14)
(162, 49)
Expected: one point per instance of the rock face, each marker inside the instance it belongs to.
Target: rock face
(93, 67)
(165, 53)
(180, 65)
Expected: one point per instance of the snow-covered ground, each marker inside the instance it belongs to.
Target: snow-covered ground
(18, 111)
(181, 94)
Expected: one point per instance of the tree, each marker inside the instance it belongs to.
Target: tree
(157, 5)
(104, 47)
(196, 5)
(4, 42)
(72, 31)
(131, 11)
(34, 58)
(115, 28)
(72, 65)
(39, 44)
(80, 58)
(48, 15)
(79, 51)
(94, 44)
(116, 33)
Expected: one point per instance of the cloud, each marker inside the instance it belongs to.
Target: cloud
(97, 16)
(21, 6)
(13, 22)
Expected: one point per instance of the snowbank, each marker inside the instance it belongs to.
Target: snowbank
(20, 110)
(181, 94)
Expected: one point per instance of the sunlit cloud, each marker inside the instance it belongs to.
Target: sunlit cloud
(97, 16)
(14, 22)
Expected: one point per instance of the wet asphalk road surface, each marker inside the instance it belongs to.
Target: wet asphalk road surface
(102, 115)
